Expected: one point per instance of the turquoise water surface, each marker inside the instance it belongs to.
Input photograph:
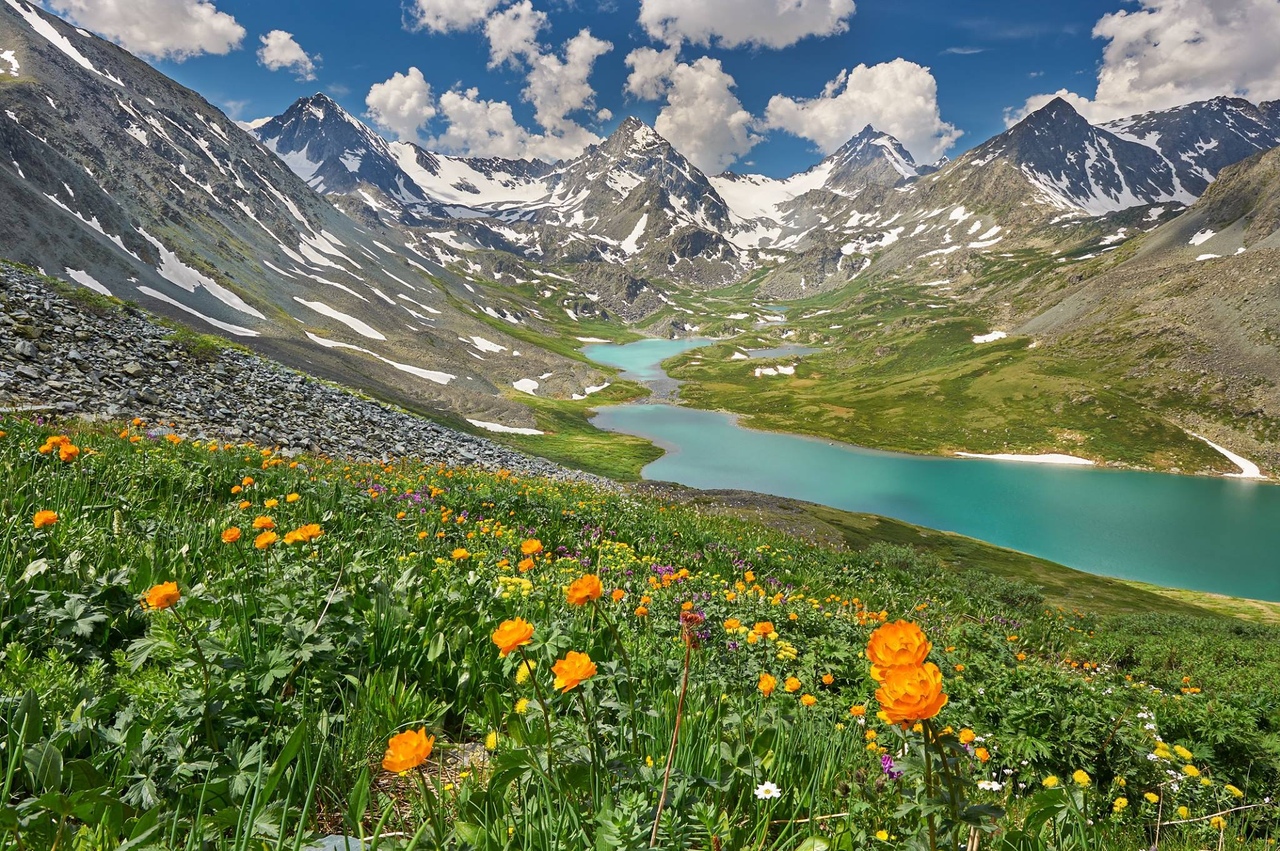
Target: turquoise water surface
(1208, 534)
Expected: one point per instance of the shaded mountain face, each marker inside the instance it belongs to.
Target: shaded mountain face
(335, 153)
(870, 158)
(116, 177)
(1198, 140)
(1073, 164)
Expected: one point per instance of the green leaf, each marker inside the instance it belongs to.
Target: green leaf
(44, 767)
(358, 800)
(291, 747)
(814, 843)
(471, 834)
(29, 719)
(437, 647)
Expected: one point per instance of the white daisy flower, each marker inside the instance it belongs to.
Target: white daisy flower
(767, 790)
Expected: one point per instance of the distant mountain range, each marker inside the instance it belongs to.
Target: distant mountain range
(443, 282)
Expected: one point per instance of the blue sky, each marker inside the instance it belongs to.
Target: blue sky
(935, 71)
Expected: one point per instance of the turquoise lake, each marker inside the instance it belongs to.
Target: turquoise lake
(1207, 534)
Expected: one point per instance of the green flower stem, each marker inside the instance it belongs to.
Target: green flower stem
(675, 736)
(208, 680)
(542, 701)
(928, 790)
(626, 665)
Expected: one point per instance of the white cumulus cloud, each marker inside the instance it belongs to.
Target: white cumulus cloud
(557, 87)
(899, 98)
(402, 104)
(481, 128)
(1169, 52)
(733, 23)
(280, 50)
(446, 15)
(702, 117)
(161, 29)
(513, 33)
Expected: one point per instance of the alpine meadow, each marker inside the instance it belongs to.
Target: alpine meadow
(721, 426)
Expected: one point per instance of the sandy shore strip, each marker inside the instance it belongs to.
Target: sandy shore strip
(1051, 458)
(1248, 469)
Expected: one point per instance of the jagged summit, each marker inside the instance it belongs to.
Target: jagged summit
(1200, 139)
(335, 152)
(1075, 165)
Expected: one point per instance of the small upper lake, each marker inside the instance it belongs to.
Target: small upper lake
(1208, 534)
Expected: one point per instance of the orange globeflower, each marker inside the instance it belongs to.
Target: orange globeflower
(982, 754)
(306, 534)
(68, 452)
(511, 634)
(895, 644)
(764, 629)
(792, 684)
(525, 565)
(265, 540)
(574, 669)
(642, 611)
(828, 679)
(53, 442)
(910, 693)
(44, 518)
(531, 547)
(407, 750)
(808, 699)
(162, 596)
(459, 554)
(768, 682)
(617, 595)
(263, 522)
(584, 590)
(231, 535)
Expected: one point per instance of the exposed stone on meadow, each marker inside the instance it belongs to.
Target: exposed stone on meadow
(118, 364)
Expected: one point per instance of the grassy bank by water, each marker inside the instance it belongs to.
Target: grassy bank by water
(321, 609)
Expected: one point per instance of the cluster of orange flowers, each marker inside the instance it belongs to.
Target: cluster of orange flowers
(67, 451)
(910, 688)
(571, 671)
(267, 535)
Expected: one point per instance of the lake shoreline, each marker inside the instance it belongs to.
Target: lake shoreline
(1135, 525)
(667, 392)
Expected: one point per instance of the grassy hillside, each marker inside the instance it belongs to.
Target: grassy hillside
(258, 699)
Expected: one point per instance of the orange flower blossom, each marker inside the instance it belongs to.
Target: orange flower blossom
(407, 750)
(511, 634)
(574, 669)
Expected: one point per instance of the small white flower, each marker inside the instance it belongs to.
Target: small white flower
(767, 790)
(989, 785)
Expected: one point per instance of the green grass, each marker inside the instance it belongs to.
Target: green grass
(255, 712)
(570, 439)
(903, 379)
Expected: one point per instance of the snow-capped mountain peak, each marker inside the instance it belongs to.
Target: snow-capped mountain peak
(334, 152)
(1074, 165)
